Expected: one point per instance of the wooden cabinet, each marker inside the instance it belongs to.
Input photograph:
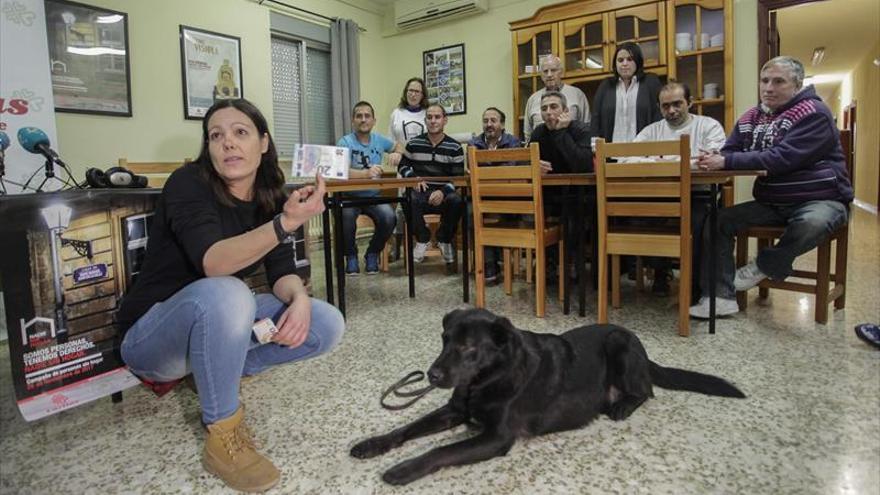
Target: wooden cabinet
(685, 40)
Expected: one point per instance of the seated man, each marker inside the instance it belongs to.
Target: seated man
(434, 154)
(367, 149)
(706, 134)
(792, 136)
(493, 137)
(565, 148)
(564, 143)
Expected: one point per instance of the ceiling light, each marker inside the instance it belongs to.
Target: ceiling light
(824, 78)
(818, 55)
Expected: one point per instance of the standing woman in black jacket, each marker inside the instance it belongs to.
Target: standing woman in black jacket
(627, 101)
(624, 104)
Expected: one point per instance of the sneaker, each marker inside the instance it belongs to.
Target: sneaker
(448, 252)
(372, 262)
(660, 286)
(490, 273)
(419, 251)
(748, 276)
(870, 333)
(723, 307)
(351, 265)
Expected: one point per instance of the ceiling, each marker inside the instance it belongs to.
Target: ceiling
(848, 29)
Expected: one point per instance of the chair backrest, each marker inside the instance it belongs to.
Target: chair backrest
(500, 185)
(846, 143)
(155, 172)
(647, 188)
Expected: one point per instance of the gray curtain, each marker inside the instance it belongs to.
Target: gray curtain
(344, 73)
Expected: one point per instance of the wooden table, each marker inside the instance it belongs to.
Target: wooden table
(714, 179)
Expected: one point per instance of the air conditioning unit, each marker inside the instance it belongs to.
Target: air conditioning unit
(410, 14)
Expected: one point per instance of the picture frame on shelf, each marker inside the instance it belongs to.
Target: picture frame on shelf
(88, 58)
(210, 65)
(444, 75)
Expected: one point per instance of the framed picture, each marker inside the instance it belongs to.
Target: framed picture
(88, 57)
(444, 78)
(210, 64)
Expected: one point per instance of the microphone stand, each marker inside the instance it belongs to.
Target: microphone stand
(49, 168)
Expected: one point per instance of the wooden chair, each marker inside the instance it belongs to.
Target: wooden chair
(514, 189)
(155, 172)
(822, 277)
(649, 189)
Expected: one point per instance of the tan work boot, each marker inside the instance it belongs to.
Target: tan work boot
(230, 453)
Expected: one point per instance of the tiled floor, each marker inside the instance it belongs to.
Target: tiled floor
(811, 423)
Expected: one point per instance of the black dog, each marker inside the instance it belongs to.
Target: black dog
(516, 383)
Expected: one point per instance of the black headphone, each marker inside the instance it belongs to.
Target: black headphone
(114, 177)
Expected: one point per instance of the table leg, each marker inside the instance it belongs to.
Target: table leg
(328, 254)
(407, 241)
(568, 236)
(581, 245)
(340, 257)
(713, 240)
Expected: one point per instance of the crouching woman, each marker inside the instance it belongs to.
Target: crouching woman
(218, 219)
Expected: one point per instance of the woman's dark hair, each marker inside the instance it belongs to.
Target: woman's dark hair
(636, 53)
(269, 183)
(423, 103)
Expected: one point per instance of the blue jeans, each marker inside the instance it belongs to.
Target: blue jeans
(205, 328)
(384, 220)
(806, 225)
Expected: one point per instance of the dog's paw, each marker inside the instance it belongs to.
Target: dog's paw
(621, 410)
(370, 447)
(403, 473)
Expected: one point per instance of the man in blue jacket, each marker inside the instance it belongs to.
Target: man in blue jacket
(494, 137)
(792, 136)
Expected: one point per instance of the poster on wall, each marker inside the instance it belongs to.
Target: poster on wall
(210, 64)
(444, 78)
(88, 55)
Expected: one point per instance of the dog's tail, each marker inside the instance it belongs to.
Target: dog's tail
(692, 381)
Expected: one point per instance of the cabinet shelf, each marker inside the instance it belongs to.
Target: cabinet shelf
(704, 51)
(709, 101)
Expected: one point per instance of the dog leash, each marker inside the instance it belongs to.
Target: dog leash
(409, 379)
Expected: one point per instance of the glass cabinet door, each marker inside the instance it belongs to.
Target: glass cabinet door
(531, 45)
(697, 32)
(645, 25)
(585, 44)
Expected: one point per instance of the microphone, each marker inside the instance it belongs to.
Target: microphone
(36, 141)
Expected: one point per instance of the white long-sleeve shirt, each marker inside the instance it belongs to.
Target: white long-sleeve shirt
(706, 134)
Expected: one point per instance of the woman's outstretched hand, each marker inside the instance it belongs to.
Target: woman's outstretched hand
(303, 204)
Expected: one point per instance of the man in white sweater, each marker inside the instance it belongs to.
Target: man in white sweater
(707, 135)
(551, 75)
